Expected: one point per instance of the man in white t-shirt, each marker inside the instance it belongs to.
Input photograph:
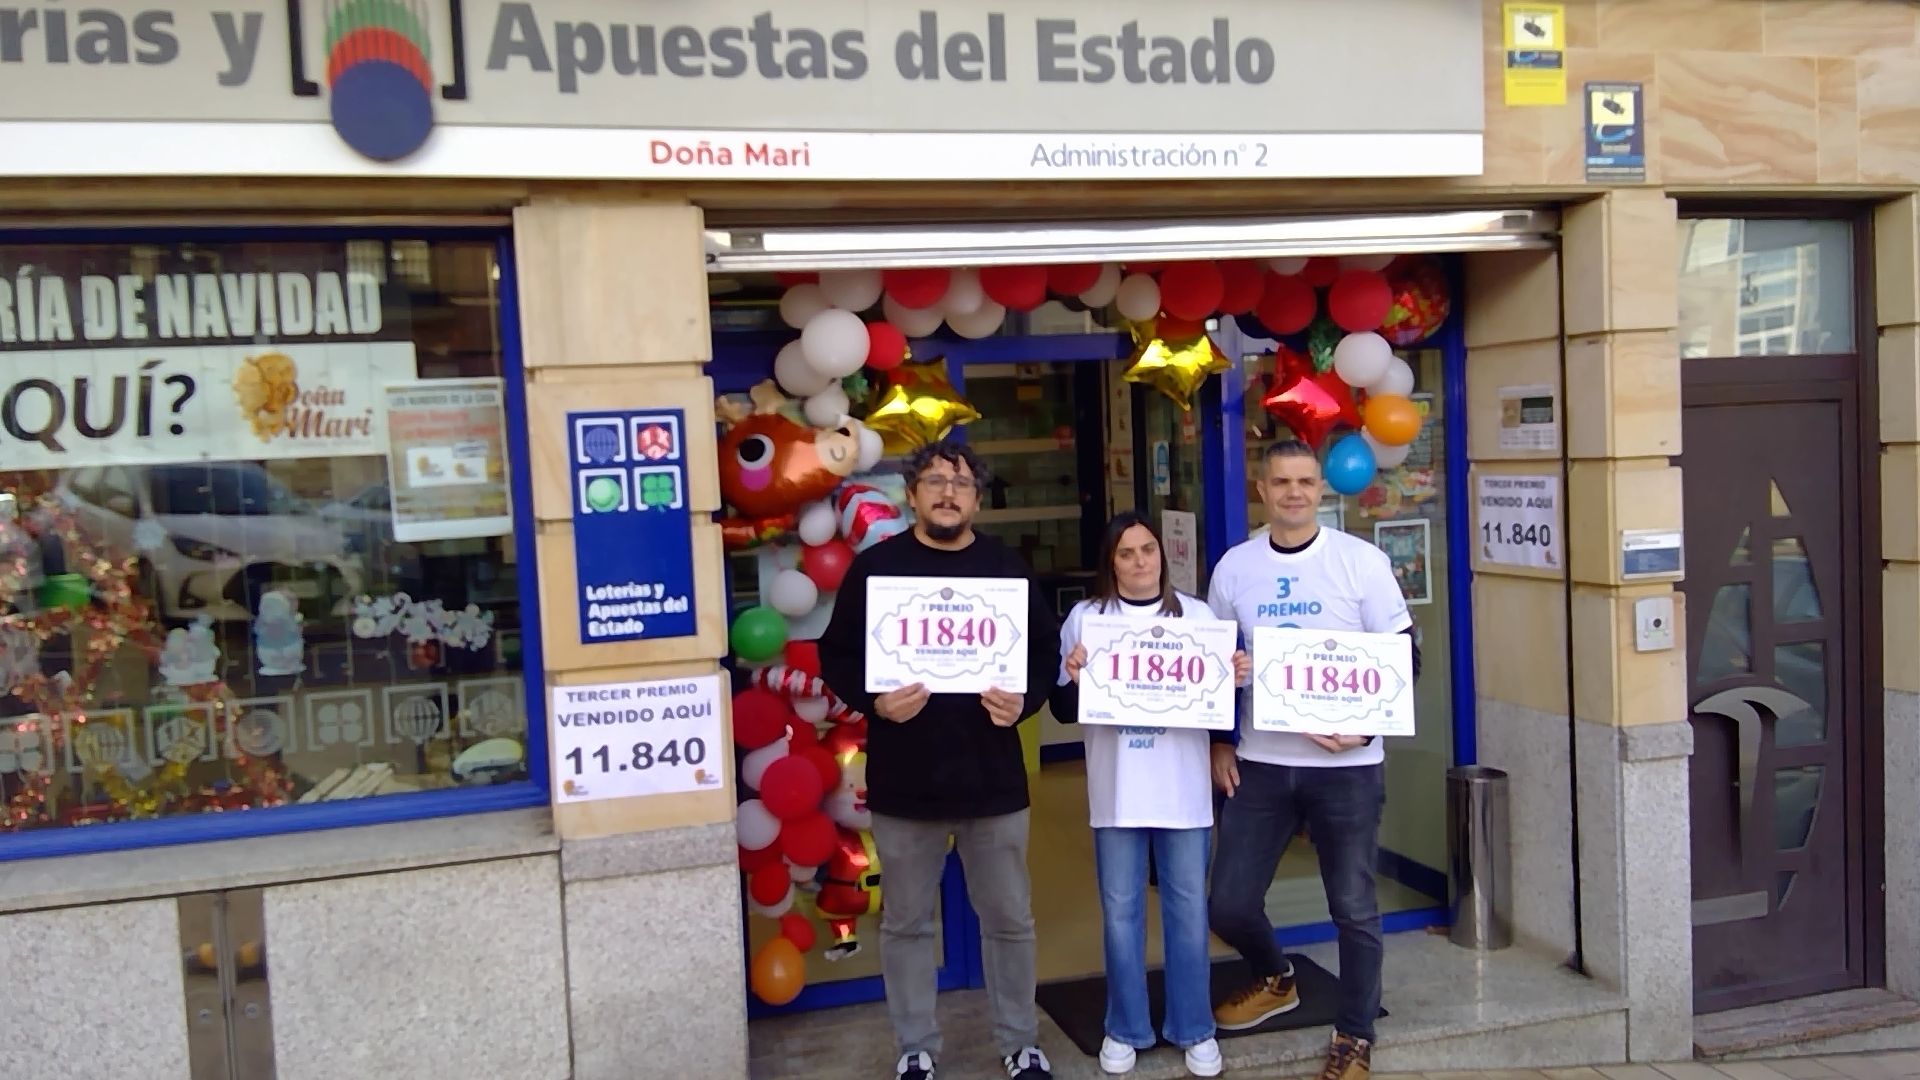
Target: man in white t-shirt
(1298, 574)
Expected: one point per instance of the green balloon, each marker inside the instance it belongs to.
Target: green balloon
(759, 633)
(71, 591)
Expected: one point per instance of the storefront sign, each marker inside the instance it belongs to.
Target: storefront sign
(447, 459)
(1332, 682)
(615, 740)
(1527, 418)
(1160, 672)
(1180, 532)
(1534, 37)
(1519, 521)
(1616, 133)
(839, 89)
(953, 636)
(632, 529)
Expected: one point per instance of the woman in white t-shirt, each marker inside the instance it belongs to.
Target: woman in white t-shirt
(1149, 789)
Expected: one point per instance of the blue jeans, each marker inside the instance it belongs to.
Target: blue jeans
(1341, 807)
(1181, 858)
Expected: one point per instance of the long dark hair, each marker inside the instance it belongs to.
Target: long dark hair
(1106, 586)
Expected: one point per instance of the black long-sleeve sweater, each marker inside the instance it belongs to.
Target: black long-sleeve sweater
(950, 761)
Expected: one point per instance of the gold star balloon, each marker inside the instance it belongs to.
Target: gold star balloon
(1174, 358)
(916, 404)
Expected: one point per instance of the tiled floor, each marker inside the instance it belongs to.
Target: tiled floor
(1900, 1066)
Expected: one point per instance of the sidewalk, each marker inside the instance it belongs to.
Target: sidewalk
(1891, 1066)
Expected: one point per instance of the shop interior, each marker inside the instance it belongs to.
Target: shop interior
(1085, 400)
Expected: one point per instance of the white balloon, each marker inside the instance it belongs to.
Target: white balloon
(981, 322)
(1138, 298)
(1362, 359)
(756, 826)
(801, 303)
(792, 593)
(852, 290)
(826, 408)
(1384, 456)
(818, 523)
(836, 343)
(1104, 288)
(795, 374)
(1365, 262)
(913, 322)
(872, 448)
(811, 709)
(965, 294)
(753, 768)
(1397, 381)
(801, 874)
(776, 910)
(1287, 266)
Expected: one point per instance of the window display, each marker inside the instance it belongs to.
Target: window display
(217, 591)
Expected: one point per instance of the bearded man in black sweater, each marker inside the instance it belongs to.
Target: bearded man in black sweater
(943, 766)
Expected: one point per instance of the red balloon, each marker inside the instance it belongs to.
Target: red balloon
(827, 563)
(789, 278)
(1242, 284)
(752, 861)
(823, 761)
(804, 656)
(759, 718)
(1072, 279)
(1288, 304)
(801, 736)
(769, 884)
(809, 840)
(1310, 403)
(795, 928)
(1360, 300)
(1017, 288)
(1321, 271)
(917, 287)
(1191, 290)
(790, 788)
(1171, 329)
(886, 346)
(1148, 267)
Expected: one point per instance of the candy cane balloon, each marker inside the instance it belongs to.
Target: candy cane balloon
(792, 683)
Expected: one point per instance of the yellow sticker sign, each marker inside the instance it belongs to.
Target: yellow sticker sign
(1535, 53)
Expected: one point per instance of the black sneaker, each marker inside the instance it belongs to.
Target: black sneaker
(914, 1066)
(1028, 1064)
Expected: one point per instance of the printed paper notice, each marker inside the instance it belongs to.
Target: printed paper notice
(447, 459)
(1180, 529)
(1159, 672)
(1332, 682)
(952, 635)
(1527, 418)
(615, 740)
(1519, 519)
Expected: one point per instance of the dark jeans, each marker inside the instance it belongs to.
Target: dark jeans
(1341, 808)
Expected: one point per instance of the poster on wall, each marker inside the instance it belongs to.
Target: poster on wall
(1519, 520)
(632, 525)
(1181, 531)
(1409, 547)
(447, 459)
(617, 740)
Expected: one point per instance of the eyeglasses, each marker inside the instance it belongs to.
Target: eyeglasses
(946, 483)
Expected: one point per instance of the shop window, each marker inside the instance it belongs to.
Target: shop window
(256, 529)
(1765, 287)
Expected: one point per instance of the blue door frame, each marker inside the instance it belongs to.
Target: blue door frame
(741, 360)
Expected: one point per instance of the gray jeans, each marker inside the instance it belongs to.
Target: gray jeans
(993, 851)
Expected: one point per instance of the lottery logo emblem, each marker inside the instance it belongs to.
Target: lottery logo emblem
(380, 76)
(601, 444)
(654, 442)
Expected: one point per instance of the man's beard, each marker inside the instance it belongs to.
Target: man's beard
(945, 534)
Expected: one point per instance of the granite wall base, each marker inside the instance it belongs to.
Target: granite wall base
(1531, 747)
(1901, 760)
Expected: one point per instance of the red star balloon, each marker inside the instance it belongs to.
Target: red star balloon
(1311, 403)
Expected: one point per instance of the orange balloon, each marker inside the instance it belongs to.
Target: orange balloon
(1392, 419)
(779, 971)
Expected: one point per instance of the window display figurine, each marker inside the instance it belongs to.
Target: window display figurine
(850, 881)
(772, 465)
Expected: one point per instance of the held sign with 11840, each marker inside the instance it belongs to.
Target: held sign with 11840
(615, 740)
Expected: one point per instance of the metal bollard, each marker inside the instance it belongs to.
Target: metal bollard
(1480, 858)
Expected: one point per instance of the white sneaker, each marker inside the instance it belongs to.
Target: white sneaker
(1203, 1058)
(1116, 1057)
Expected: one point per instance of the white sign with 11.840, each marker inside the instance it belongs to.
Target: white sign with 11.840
(1175, 673)
(614, 740)
(1519, 519)
(951, 635)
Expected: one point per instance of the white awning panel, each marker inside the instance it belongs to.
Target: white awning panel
(857, 247)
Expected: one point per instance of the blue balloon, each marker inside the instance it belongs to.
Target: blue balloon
(1350, 465)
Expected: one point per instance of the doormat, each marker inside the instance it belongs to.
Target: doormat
(1079, 1006)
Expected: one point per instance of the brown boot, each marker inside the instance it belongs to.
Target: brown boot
(1259, 1002)
(1348, 1058)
